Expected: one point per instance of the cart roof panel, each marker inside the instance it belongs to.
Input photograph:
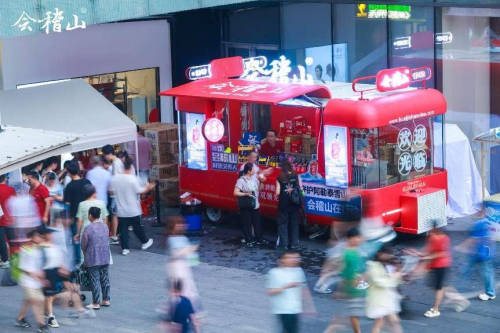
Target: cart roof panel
(391, 109)
(246, 91)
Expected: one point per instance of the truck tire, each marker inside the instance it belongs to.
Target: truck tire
(215, 216)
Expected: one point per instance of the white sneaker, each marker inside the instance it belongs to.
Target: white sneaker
(130, 228)
(125, 252)
(432, 313)
(5, 264)
(147, 245)
(486, 297)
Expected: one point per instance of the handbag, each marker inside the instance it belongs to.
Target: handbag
(247, 202)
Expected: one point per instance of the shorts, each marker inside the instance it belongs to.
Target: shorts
(31, 294)
(56, 282)
(112, 206)
(438, 277)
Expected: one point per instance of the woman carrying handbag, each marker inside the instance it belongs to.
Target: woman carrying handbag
(289, 189)
(247, 192)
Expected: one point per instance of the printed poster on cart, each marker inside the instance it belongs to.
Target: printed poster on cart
(323, 200)
(221, 160)
(335, 139)
(196, 143)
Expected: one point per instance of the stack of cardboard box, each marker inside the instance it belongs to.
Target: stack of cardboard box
(164, 142)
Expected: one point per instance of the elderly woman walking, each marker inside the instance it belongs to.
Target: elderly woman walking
(95, 246)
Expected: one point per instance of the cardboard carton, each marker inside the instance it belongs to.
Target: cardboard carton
(163, 171)
(170, 186)
(170, 199)
(159, 158)
(172, 147)
(173, 158)
(156, 135)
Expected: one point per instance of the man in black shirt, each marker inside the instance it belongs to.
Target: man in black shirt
(73, 195)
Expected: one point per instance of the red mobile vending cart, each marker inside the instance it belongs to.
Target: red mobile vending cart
(350, 143)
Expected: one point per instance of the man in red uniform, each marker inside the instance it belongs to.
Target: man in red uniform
(41, 195)
(6, 192)
(271, 147)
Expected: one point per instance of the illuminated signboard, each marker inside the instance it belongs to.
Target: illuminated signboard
(393, 79)
(199, 72)
(196, 144)
(335, 139)
(375, 11)
(401, 43)
(213, 129)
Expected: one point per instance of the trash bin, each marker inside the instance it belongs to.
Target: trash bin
(193, 215)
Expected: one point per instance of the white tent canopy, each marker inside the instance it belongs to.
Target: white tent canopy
(492, 136)
(71, 106)
(23, 146)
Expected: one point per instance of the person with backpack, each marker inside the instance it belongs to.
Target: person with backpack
(28, 270)
(247, 192)
(289, 189)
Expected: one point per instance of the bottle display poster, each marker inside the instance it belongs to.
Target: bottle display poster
(196, 143)
(335, 139)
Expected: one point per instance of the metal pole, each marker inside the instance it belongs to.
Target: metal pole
(157, 199)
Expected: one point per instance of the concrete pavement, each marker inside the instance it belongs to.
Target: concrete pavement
(231, 282)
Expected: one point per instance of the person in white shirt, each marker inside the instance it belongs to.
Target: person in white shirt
(288, 289)
(126, 189)
(32, 275)
(117, 168)
(100, 178)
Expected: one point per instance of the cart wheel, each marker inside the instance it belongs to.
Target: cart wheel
(83, 297)
(71, 303)
(215, 216)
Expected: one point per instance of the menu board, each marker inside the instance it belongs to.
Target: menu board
(196, 143)
(335, 139)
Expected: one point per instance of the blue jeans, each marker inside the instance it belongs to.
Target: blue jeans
(76, 245)
(487, 274)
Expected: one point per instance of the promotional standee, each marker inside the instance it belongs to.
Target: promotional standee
(361, 151)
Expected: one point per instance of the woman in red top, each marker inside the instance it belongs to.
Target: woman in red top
(437, 252)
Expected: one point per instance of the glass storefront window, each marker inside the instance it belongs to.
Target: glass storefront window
(469, 76)
(395, 153)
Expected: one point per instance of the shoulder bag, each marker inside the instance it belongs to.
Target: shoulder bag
(247, 202)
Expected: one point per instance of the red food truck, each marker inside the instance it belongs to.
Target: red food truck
(351, 143)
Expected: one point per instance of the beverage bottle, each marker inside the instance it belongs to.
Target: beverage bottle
(313, 166)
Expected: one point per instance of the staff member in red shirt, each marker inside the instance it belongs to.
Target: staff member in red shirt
(6, 192)
(271, 147)
(41, 195)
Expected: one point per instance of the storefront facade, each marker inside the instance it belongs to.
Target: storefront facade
(459, 40)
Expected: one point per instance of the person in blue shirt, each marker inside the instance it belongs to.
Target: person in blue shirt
(183, 317)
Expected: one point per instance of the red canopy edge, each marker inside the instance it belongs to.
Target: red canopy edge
(387, 110)
(246, 91)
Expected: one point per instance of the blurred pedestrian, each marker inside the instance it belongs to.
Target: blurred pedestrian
(31, 281)
(181, 257)
(100, 178)
(126, 190)
(482, 252)
(41, 195)
(351, 290)
(6, 230)
(246, 187)
(95, 246)
(383, 298)
(182, 315)
(115, 168)
(73, 196)
(56, 192)
(290, 295)
(64, 178)
(437, 258)
(289, 189)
